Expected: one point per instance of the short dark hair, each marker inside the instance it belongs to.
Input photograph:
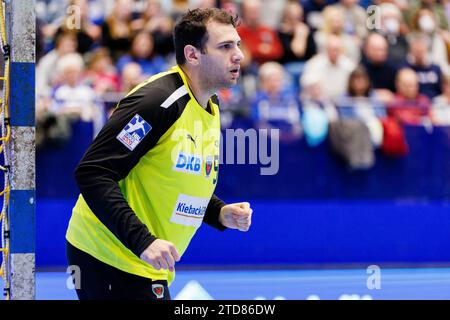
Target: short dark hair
(191, 29)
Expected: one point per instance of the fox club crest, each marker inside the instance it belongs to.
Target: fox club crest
(158, 290)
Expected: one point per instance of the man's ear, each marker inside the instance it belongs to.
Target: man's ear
(192, 54)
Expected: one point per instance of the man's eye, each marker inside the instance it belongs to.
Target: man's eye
(226, 46)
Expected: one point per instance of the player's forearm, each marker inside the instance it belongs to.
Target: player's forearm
(104, 198)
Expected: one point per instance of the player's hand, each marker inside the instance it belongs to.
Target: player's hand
(161, 254)
(236, 216)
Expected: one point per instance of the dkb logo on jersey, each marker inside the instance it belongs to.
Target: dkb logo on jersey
(189, 211)
(134, 132)
(188, 163)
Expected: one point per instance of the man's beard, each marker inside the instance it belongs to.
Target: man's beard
(217, 82)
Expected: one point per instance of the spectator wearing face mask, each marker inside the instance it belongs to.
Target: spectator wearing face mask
(437, 7)
(425, 22)
(393, 28)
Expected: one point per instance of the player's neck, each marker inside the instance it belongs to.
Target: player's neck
(201, 94)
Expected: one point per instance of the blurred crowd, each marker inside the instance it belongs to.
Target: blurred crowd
(354, 72)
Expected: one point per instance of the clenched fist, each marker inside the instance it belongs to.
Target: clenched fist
(236, 216)
(161, 254)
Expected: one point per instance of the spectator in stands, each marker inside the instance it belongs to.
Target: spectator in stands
(296, 37)
(360, 100)
(179, 7)
(143, 54)
(440, 112)
(429, 75)
(409, 106)
(273, 12)
(354, 18)
(154, 20)
(262, 42)
(392, 27)
(230, 6)
(116, 29)
(317, 111)
(234, 106)
(101, 73)
(51, 11)
(436, 8)
(131, 76)
(313, 11)
(275, 105)
(332, 67)
(333, 24)
(99, 10)
(73, 97)
(51, 15)
(361, 103)
(87, 33)
(206, 4)
(425, 22)
(297, 40)
(380, 70)
(446, 7)
(45, 76)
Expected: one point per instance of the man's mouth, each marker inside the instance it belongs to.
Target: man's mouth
(235, 72)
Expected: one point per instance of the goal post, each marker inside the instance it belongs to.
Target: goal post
(21, 37)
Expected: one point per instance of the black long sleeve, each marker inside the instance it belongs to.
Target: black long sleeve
(212, 213)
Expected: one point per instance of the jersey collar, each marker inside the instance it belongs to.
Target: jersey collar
(178, 69)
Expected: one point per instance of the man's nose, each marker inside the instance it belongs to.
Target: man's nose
(238, 56)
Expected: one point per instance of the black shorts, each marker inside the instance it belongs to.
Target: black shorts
(99, 281)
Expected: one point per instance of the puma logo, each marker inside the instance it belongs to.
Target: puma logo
(192, 139)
